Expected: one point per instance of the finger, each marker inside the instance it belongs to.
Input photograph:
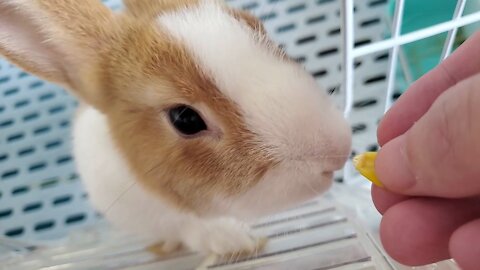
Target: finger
(465, 247)
(384, 199)
(437, 156)
(420, 96)
(417, 231)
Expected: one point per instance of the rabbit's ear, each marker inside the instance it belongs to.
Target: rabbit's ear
(58, 40)
(146, 8)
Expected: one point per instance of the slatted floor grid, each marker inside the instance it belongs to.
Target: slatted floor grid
(316, 235)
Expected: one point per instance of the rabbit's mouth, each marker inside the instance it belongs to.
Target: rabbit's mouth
(328, 174)
(286, 185)
(307, 168)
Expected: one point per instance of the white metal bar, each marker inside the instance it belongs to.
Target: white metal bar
(452, 34)
(407, 72)
(396, 31)
(348, 66)
(416, 35)
(348, 59)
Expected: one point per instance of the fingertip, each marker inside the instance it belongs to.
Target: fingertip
(384, 199)
(464, 246)
(412, 238)
(395, 234)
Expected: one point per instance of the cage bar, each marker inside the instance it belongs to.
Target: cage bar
(416, 35)
(348, 57)
(452, 34)
(396, 30)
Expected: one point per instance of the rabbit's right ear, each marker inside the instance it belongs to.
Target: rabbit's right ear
(57, 40)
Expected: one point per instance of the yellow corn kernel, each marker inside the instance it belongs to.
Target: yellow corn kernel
(365, 165)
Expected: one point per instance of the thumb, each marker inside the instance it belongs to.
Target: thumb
(440, 154)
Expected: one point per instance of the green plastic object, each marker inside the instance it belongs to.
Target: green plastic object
(423, 55)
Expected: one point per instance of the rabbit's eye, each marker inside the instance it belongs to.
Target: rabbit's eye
(186, 120)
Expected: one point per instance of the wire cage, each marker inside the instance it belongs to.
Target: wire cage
(365, 53)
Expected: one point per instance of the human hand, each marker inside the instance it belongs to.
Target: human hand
(428, 164)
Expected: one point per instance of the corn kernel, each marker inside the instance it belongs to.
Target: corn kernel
(365, 165)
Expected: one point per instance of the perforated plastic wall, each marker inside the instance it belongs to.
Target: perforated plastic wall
(41, 196)
(40, 191)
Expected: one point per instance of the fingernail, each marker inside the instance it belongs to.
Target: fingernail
(365, 165)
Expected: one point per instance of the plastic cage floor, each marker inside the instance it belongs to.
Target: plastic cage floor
(316, 235)
(42, 198)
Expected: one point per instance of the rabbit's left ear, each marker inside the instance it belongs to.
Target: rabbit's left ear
(58, 40)
(147, 8)
(249, 19)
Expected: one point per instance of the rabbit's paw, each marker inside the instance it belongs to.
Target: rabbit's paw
(164, 248)
(222, 237)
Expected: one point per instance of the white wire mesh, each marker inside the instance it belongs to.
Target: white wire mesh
(447, 49)
(393, 44)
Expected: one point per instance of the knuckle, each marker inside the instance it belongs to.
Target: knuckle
(445, 130)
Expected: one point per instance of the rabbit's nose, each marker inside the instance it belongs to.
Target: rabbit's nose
(331, 154)
(333, 163)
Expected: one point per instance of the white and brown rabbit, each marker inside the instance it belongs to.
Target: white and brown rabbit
(192, 120)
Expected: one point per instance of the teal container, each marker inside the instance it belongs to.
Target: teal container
(423, 55)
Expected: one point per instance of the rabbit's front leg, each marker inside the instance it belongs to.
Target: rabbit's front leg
(222, 236)
(165, 248)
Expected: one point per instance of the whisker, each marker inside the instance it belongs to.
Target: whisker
(119, 197)
(156, 166)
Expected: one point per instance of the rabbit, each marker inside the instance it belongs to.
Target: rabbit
(192, 121)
